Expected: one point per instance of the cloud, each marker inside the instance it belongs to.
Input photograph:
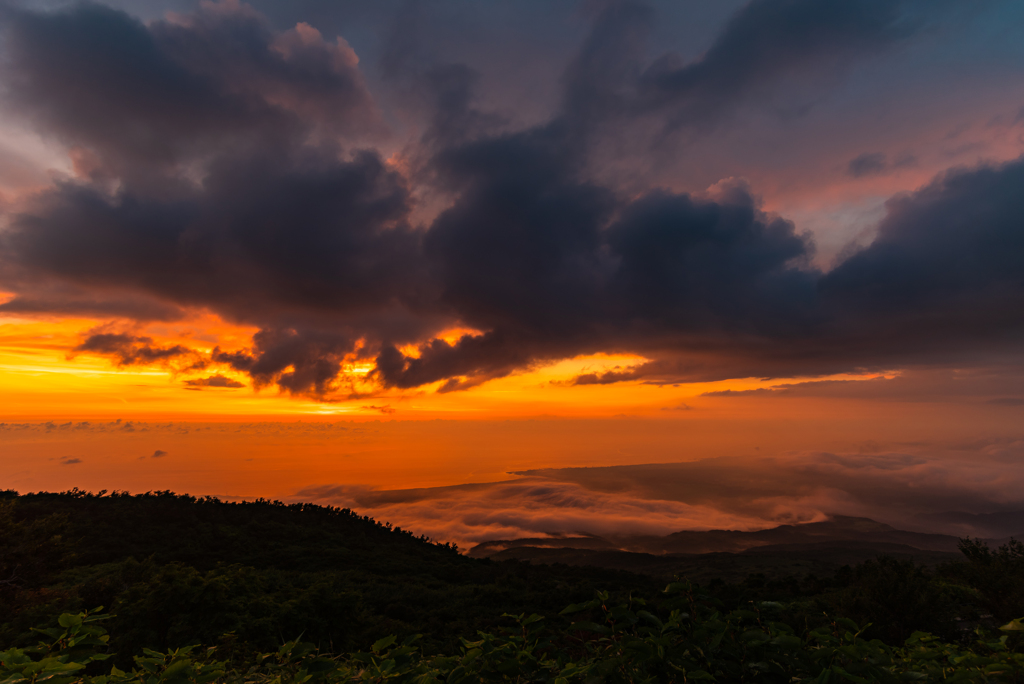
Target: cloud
(158, 454)
(68, 460)
(285, 430)
(297, 362)
(284, 214)
(217, 380)
(610, 376)
(761, 391)
(222, 164)
(383, 409)
(945, 267)
(553, 277)
(874, 163)
(182, 86)
(128, 350)
(903, 489)
(64, 303)
(867, 164)
(768, 41)
(468, 514)
(922, 384)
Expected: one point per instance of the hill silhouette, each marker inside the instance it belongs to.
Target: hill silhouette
(838, 528)
(816, 547)
(178, 569)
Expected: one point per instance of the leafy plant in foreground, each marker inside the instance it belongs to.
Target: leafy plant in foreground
(602, 643)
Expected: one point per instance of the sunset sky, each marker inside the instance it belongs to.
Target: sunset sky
(473, 267)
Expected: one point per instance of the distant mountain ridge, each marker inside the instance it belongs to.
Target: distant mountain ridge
(999, 524)
(837, 529)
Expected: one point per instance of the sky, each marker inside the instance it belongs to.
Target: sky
(476, 268)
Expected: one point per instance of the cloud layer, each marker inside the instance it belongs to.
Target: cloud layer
(909, 490)
(221, 163)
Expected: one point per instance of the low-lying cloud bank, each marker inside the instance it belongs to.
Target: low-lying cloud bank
(908, 490)
(223, 164)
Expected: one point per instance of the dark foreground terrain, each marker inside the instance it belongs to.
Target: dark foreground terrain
(247, 577)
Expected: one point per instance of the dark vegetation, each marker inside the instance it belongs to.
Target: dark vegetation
(248, 577)
(178, 570)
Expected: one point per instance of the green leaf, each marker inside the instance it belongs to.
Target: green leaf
(381, 644)
(68, 620)
(177, 669)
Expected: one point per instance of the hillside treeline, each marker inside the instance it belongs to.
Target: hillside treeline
(245, 578)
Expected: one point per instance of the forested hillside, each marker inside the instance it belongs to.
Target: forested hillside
(177, 570)
(246, 578)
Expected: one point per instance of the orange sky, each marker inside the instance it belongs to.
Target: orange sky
(42, 378)
(239, 442)
(77, 420)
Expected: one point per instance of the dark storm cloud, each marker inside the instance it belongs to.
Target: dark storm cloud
(128, 350)
(475, 357)
(297, 362)
(264, 233)
(136, 308)
(711, 266)
(943, 280)
(176, 90)
(226, 165)
(771, 40)
(947, 265)
(541, 261)
(229, 194)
